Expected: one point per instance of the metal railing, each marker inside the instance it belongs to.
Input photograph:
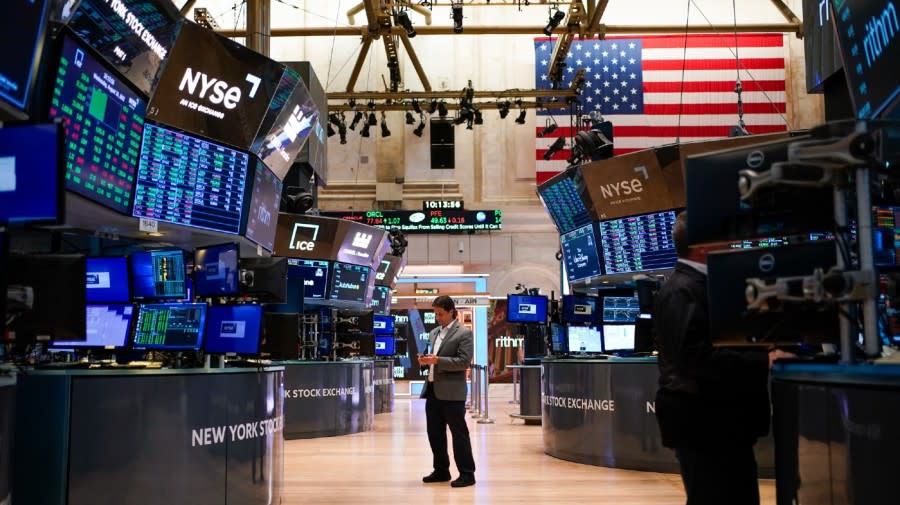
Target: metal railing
(479, 402)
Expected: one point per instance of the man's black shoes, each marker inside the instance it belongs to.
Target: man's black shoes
(436, 477)
(465, 479)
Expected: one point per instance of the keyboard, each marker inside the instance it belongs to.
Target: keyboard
(64, 365)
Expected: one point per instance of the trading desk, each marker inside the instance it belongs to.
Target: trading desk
(149, 437)
(602, 412)
(836, 433)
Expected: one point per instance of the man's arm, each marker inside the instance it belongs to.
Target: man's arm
(463, 358)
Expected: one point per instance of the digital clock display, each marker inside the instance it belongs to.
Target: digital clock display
(428, 221)
(442, 204)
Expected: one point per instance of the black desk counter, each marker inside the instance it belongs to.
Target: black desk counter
(384, 386)
(7, 418)
(328, 398)
(836, 428)
(187, 436)
(602, 412)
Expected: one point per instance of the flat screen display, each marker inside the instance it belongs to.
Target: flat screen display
(265, 200)
(134, 36)
(382, 324)
(350, 282)
(562, 201)
(170, 326)
(216, 270)
(214, 87)
(381, 299)
(304, 236)
(581, 253)
(189, 181)
(158, 275)
(822, 56)
(361, 244)
(108, 326)
(233, 329)
(107, 280)
(638, 243)
(297, 116)
(313, 274)
(868, 32)
(558, 342)
(31, 173)
(618, 337)
(579, 309)
(526, 309)
(387, 272)
(620, 309)
(384, 345)
(22, 30)
(104, 120)
(584, 339)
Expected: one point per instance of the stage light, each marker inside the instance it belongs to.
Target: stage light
(384, 129)
(409, 118)
(555, 147)
(357, 117)
(331, 131)
(550, 127)
(416, 108)
(364, 131)
(592, 145)
(521, 118)
(504, 109)
(457, 18)
(433, 106)
(553, 22)
(478, 119)
(420, 129)
(373, 121)
(404, 21)
(442, 109)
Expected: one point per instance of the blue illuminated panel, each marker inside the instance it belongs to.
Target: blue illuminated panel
(620, 309)
(107, 326)
(265, 200)
(107, 280)
(638, 243)
(580, 252)
(350, 282)
(564, 205)
(170, 326)
(189, 181)
(158, 274)
(233, 329)
(314, 274)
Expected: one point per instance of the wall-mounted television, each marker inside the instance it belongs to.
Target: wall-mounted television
(526, 309)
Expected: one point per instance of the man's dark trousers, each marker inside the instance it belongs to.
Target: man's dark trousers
(440, 414)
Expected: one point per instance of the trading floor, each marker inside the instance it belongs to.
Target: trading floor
(385, 466)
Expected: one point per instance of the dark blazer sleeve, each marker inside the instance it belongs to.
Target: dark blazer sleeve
(462, 359)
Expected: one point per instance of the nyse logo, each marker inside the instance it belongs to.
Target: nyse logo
(625, 187)
(527, 308)
(362, 240)
(583, 309)
(296, 123)
(297, 243)
(220, 92)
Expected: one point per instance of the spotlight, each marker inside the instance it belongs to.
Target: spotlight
(478, 119)
(352, 104)
(403, 20)
(342, 133)
(521, 118)
(549, 128)
(592, 145)
(384, 129)
(364, 132)
(398, 242)
(504, 109)
(555, 147)
(442, 109)
(460, 119)
(357, 117)
(409, 118)
(331, 131)
(457, 18)
(553, 22)
(419, 129)
(432, 106)
(416, 108)
(373, 121)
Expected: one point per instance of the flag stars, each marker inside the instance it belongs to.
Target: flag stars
(596, 47)
(578, 47)
(622, 69)
(588, 69)
(605, 68)
(543, 47)
(634, 106)
(598, 91)
(578, 62)
(569, 54)
(544, 77)
(615, 91)
(544, 62)
(590, 99)
(632, 75)
(624, 99)
(631, 60)
(615, 76)
(631, 45)
(605, 54)
(570, 70)
(605, 84)
(596, 61)
(615, 61)
(615, 106)
(606, 99)
(587, 54)
(624, 84)
(597, 107)
(615, 46)
(622, 54)
(633, 91)
(588, 84)
(598, 76)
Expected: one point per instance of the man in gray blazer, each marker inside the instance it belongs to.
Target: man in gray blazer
(445, 395)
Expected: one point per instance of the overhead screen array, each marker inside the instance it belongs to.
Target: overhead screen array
(21, 32)
(638, 243)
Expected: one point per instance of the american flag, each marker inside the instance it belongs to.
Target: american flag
(636, 83)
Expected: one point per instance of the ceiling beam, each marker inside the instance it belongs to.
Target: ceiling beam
(789, 16)
(456, 94)
(330, 31)
(414, 58)
(399, 106)
(593, 24)
(351, 83)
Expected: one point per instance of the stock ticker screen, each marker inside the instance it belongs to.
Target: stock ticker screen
(265, 200)
(638, 243)
(563, 204)
(189, 181)
(104, 120)
(170, 326)
(580, 252)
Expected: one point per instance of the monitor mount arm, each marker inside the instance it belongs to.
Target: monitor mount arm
(834, 286)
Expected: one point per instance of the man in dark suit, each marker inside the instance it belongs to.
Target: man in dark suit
(712, 403)
(445, 395)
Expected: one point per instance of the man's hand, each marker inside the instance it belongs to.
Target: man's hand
(776, 354)
(428, 359)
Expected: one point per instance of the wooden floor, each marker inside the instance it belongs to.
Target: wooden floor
(385, 466)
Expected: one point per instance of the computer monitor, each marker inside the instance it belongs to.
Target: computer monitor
(387, 272)
(717, 213)
(584, 339)
(618, 338)
(558, 343)
(22, 30)
(32, 173)
(169, 326)
(381, 299)
(644, 334)
(638, 243)
(264, 279)
(233, 329)
(730, 321)
(279, 336)
(866, 32)
(107, 280)
(383, 324)
(384, 345)
(59, 297)
(158, 275)
(216, 270)
(190, 181)
(104, 120)
(560, 197)
(620, 309)
(313, 274)
(886, 236)
(108, 327)
(526, 308)
(579, 309)
(350, 283)
(265, 201)
(581, 253)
